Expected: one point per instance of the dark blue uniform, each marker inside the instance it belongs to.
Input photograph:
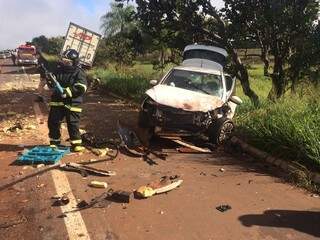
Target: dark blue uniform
(73, 80)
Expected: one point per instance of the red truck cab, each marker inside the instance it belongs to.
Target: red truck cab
(26, 54)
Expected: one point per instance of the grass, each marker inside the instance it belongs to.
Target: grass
(288, 128)
(127, 83)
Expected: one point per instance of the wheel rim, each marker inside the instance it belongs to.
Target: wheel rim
(225, 131)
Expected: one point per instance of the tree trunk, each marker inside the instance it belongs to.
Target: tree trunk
(265, 59)
(278, 80)
(243, 76)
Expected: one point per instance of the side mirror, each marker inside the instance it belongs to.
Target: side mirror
(153, 82)
(236, 100)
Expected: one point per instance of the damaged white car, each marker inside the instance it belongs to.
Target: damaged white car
(196, 98)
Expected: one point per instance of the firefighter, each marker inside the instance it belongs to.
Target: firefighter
(67, 105)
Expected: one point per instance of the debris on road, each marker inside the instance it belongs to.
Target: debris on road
(98, 184)
(17, 126)
(100, 201)
(101, 152)
(188, 145)
(13, 222)
(60, 200)
(40, 165)
(119, 196)
(222, 170)
(15, 180)
(165, 185)
(86, 170)
(223, 208)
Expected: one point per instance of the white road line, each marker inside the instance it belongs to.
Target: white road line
(75, 225)
(74, 222)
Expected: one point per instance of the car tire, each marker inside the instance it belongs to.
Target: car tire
(220, 131)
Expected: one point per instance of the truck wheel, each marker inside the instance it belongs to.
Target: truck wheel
(220, 131)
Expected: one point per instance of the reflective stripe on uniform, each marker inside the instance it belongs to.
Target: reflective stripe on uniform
(56, 104)
(69, 93)
(81, 85)
(79, 141)
(55, 140)
(73, 109)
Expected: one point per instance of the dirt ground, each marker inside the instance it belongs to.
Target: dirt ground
(263, 206)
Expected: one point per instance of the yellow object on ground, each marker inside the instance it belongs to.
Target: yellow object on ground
(78, 149)
(101, 152)
(145, 191)
(98, 184)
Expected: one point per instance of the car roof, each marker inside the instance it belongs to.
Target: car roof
(197, 69)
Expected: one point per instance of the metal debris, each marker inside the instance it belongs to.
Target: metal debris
(86, 170)
(223, 208)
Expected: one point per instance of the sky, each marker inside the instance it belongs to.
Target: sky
(21, 20)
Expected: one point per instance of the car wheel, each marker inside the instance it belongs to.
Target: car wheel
(220, 131)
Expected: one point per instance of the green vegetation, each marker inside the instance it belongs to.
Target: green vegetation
(128, 83)
(288, 128)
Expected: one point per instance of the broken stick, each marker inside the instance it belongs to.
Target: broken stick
(15, 180)
(191, 146)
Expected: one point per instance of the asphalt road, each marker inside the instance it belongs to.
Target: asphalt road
(263, 206)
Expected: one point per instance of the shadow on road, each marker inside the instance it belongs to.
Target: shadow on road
(303, 221)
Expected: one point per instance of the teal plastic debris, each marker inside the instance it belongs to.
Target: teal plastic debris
(43, 154)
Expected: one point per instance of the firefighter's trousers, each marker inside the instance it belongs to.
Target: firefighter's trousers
(56, 116)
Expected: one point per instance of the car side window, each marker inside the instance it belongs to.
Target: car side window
(229, 82)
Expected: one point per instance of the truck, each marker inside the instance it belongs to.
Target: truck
(26, 54)
(82, 40)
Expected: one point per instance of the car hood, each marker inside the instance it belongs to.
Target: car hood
(184, 99)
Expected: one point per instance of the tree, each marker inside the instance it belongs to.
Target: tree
(118, 20)
(243, 17)
(283, 26)
(119, 49)
(41, 43)
(55, 45)
(123, 38)
(52, 45)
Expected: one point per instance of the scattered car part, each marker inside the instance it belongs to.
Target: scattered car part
(223, 208)
(85, 170)
(119, 196)
(149, 191)
(98, 184)
(36, 172)
(192, 146)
